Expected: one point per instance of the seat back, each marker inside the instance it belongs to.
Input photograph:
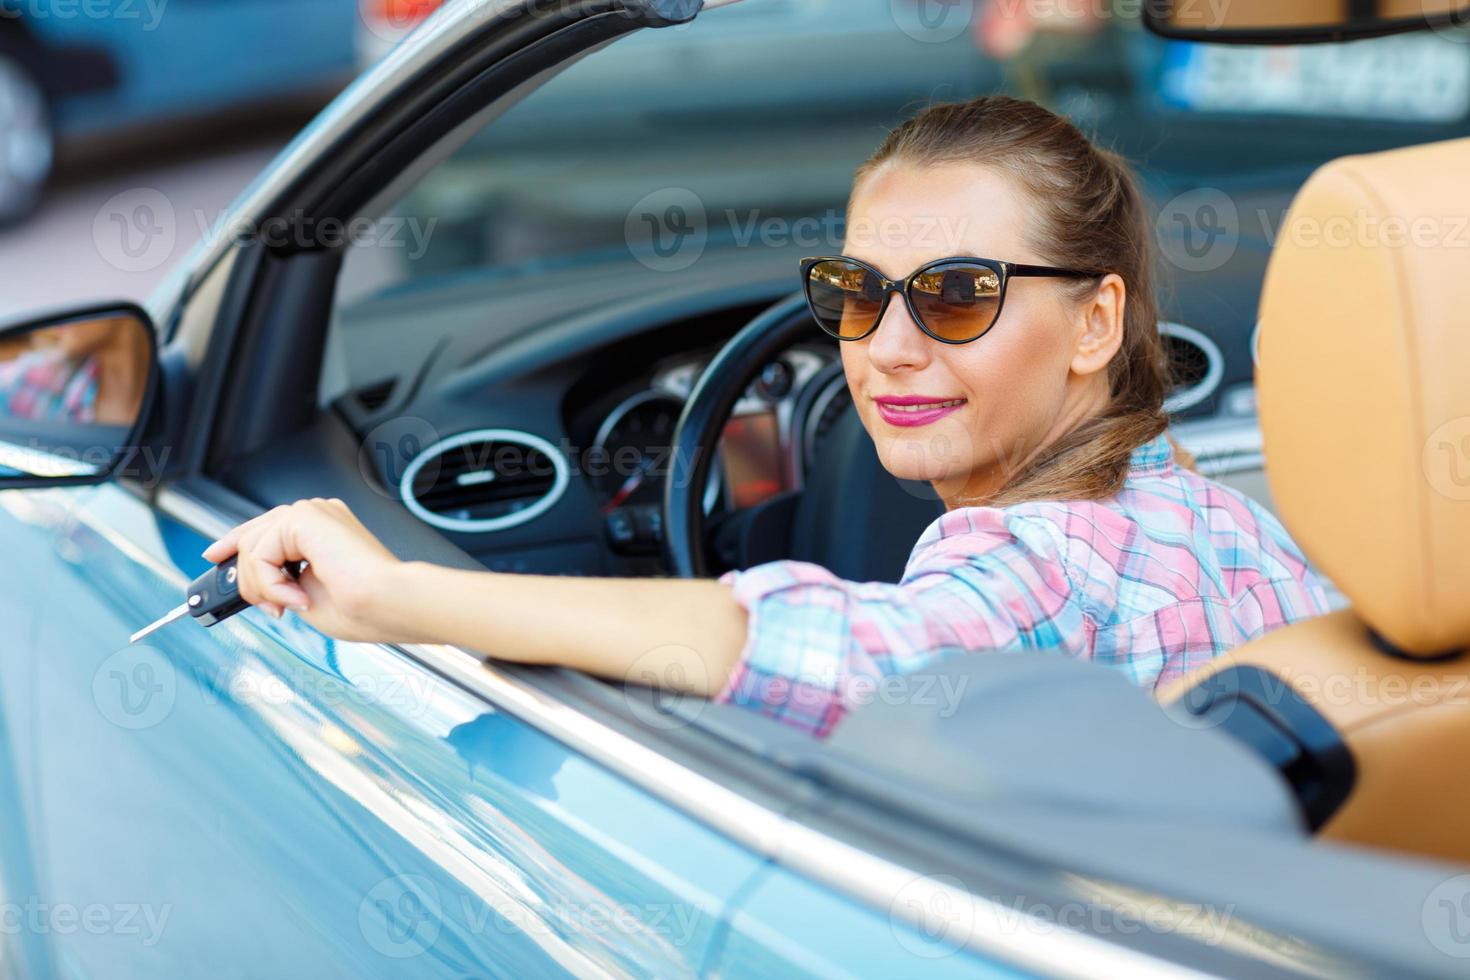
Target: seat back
(1364, 390)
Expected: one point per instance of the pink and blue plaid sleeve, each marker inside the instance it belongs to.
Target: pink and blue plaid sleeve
(819, 646)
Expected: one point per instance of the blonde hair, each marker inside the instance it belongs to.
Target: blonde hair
(1089, 215)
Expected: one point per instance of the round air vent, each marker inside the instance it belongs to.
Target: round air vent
(1197, 362)
(485, 480)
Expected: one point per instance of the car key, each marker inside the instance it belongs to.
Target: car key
(212, 597)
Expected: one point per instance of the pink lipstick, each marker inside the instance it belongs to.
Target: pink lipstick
(915, 410)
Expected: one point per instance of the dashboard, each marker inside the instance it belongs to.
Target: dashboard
(545, 449)
(767, 446)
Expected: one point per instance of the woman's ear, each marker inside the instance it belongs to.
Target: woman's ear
(1100, 332)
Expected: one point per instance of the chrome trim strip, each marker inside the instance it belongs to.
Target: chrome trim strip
(998, 931)
(186, 510)
(859, 874)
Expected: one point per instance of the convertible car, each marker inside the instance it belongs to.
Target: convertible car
(572, 347)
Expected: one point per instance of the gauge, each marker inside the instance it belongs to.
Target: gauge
(633, 450)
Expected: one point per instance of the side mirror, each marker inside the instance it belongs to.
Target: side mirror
(75, 390)
(1297, 21)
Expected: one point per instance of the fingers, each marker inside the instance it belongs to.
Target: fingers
(263, 552)
(323, 533)
(264, 545)
(230, 543)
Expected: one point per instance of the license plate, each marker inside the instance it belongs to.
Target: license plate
(1417, 78)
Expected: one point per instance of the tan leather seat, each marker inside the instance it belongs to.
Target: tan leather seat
(1364, 387)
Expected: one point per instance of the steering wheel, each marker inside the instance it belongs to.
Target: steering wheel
(852, 517)
(703, 420)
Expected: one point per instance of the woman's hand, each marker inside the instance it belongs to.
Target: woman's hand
(684, 636)
(349, 576)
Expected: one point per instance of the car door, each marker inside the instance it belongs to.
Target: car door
(258, 799)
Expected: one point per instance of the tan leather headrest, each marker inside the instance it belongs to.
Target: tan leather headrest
(1364, 386)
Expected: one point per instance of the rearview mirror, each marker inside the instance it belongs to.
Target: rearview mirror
(74, 395)
(1298, 21)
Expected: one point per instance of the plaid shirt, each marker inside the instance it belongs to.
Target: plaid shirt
(1155, 581)
(41, 385)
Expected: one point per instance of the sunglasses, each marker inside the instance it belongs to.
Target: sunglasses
(953, 300)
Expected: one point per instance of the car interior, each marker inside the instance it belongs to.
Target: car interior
(603, 410)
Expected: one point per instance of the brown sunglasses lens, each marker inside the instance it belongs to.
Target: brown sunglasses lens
(957, 302)
(845, 298)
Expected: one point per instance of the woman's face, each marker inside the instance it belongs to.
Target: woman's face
(1037, 372)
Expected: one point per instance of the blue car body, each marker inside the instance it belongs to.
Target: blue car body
(261, 800)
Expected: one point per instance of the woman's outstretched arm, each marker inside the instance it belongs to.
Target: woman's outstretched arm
(685, 635)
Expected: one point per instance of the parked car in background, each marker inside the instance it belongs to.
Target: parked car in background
(71, 71)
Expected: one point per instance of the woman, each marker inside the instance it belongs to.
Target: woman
(1030, 394)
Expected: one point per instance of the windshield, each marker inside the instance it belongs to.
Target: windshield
(741, 131)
